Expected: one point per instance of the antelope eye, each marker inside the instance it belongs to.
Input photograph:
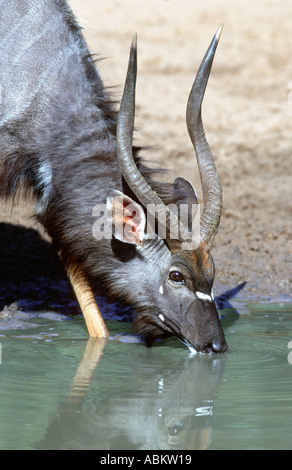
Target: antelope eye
(177, 277)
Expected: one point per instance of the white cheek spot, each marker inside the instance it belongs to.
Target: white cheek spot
(161, 317)
(161, 289)
(203, 296)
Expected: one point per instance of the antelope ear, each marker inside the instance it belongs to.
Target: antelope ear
(184, 192)
(185, 196)
(126, 217)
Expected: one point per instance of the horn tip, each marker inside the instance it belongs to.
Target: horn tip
(218, 32)
(134, 41)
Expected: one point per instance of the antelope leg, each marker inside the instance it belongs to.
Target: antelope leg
(92, 316)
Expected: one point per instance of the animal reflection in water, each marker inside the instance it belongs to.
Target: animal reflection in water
(154, 407)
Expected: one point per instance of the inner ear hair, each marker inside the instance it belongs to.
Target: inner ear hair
(127, 217)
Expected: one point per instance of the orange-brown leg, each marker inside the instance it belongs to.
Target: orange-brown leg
(93, 319)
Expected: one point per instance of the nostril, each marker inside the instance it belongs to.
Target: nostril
(215, 347)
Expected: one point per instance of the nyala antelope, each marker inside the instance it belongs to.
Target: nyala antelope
(62, 139)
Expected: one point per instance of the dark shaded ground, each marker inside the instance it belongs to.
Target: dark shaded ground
(34, 283)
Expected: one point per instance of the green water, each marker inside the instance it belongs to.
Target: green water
(59, 390)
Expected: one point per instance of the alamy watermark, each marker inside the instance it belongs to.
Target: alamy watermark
(129, 223)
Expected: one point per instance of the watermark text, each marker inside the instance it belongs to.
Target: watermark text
(129, 223)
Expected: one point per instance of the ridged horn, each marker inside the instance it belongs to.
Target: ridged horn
(211, 184)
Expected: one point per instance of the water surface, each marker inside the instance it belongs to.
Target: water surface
(59, 390)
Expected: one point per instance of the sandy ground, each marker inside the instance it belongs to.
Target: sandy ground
(247, 116)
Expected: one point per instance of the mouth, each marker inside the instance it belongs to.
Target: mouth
(173, 329)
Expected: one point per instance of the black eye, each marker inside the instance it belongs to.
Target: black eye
(177, 277)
